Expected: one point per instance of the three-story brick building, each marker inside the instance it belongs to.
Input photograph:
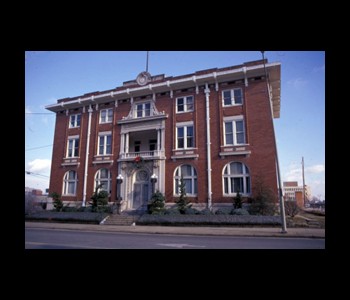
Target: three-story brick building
(214, 128)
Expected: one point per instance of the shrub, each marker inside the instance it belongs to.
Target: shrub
(206, 212)
(156, 205)
(182, 202)
(264, 202)
(291, 208)
(57, 202)
(240, 212)
(98, 198)
(171, 211)
(223, 211)
(191, 211)
(237, 201)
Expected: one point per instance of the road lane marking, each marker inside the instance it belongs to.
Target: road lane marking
(181, 245)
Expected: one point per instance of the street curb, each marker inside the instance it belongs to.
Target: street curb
(208, 231)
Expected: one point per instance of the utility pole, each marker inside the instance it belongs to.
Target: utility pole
(302, 163)
(280, 194)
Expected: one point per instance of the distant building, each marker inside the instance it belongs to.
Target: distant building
(213, 128)
(293, 192)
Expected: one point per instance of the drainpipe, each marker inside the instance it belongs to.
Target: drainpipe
(207, 93)
(87, 156)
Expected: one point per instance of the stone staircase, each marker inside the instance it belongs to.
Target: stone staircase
(313, 224)
(123, 219)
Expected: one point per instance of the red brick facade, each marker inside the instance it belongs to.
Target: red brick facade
(257, 153)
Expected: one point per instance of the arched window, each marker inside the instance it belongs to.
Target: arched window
(189, 175)
(103, 176)
(70, 183)
(236, 178)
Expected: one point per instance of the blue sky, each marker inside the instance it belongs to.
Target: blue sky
(300, 131)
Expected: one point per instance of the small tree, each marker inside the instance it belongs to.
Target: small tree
(291, 208)
(237, 201)
(157, 203)
(57, 202)
(99, 198)
(264, 201)
(183, 203)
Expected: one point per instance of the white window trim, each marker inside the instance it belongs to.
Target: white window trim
(104, 135)
(106, 110)
(185, 125)
(186, 177)
(74, 138)
(109, 180)
(244, 176)
(185, 104)
(75, 121)
(233, 103)
(233, 119)
(143, 109)
(66, 184)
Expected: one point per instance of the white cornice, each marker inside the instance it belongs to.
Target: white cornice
(210, 78)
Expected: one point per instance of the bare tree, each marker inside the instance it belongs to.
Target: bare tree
(291, 208)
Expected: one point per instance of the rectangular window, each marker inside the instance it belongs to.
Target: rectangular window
(74, 121)
(184, 104)
(73, 147)
(137, 146)
(142, 110)
(234, 132)
(106, 115)
(152, 145)
(105, 144)
(185, 137)
(232, 97)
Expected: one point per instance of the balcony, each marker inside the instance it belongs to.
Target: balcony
(148, 155)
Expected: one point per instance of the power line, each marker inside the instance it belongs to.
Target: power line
(31, 173)
(35, 113)
(38, 147)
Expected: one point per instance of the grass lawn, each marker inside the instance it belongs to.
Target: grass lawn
(300, 220)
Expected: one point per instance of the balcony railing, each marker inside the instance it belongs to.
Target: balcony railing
(144, 154)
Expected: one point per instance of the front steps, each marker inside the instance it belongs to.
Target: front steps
(123, 219)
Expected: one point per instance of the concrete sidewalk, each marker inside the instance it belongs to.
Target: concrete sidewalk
(226, 231)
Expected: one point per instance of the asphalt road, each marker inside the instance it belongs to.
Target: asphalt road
(74, 239)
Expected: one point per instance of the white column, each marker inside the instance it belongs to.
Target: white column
(207, 93)
(158, 139)
(162, 147)
(122, 143)
(87, 156)
(127, 142)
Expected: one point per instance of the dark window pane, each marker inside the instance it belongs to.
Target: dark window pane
(239, 126)
(226, 185)
(238, 185)
(240, 138)
(229, 139)
(110, 115)
(238, 96)
(78, 120)
(188, 185)
(180, 132)
(247, 184)
(180, 104)
(236, 168)
(227, 98)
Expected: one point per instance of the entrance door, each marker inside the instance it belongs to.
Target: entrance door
(141, 190)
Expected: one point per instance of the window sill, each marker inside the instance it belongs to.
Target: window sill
(175, 157)
(230, 153)
(70, 162)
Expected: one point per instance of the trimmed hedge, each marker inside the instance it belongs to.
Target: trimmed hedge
(67, 217)
(207, 220)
